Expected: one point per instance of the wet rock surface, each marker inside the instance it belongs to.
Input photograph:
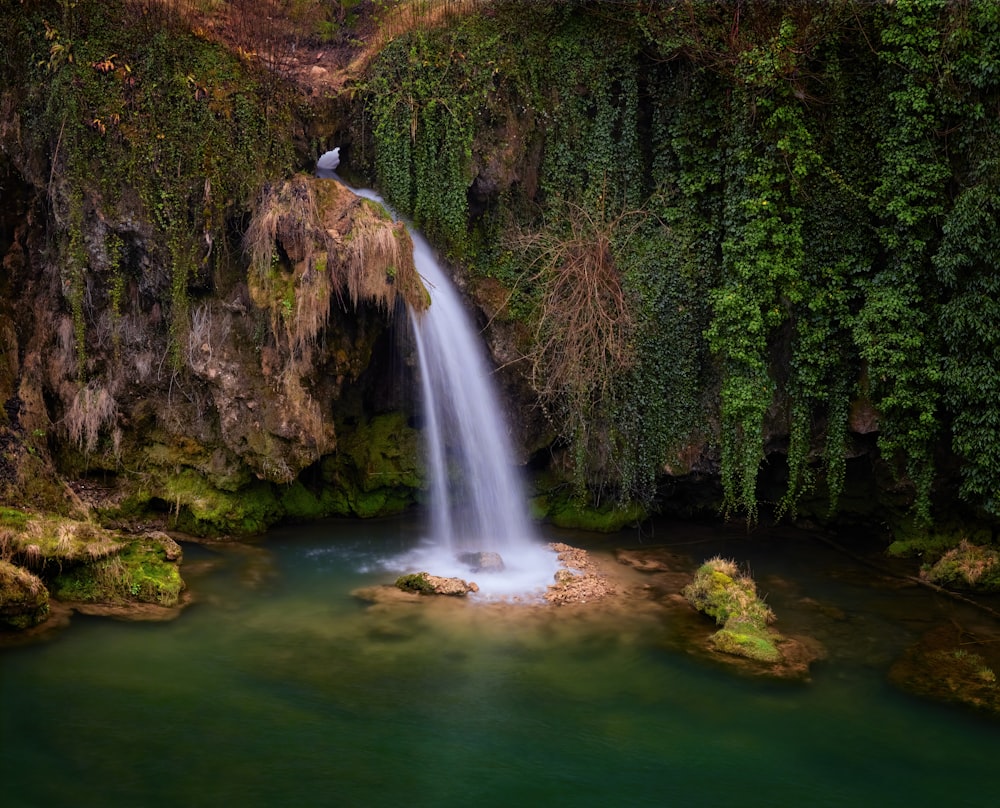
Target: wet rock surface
(580, 580)
(482, 561)
(423, 583)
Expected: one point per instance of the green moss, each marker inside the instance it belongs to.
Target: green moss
(139, 573)
(13, 518)
(203, 510)
(968, 566)
(914, 540)
(730, 598)
(298, 502)
(751, 643)
(416, 582)
(563, 509)
(377, 470)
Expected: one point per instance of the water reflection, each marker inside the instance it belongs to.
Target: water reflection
(280, 687)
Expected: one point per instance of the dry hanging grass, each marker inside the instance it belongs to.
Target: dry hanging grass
(93, 409)
(379, 262)
(338, 243)
(287, 213)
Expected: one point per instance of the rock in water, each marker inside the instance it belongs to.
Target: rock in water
(482, 561)
(424, 583)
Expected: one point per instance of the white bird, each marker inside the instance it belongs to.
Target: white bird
(329, 161)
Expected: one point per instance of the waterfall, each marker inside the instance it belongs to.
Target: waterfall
(477, 502)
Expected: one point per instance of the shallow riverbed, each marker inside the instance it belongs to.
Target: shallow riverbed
(278, 687)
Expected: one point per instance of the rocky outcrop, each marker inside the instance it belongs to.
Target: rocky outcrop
(423, 583)
(84, 565)
(225, 414)
(579, 581)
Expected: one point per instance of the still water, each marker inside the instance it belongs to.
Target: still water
(278, 687)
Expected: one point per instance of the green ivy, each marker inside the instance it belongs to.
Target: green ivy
(817, 184)
(425, 93)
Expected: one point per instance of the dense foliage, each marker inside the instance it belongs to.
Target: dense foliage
(810, 191)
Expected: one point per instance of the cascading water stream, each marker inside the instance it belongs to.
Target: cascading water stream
(477, 502)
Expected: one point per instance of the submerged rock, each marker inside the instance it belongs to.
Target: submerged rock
(482, 561)
(944, 667)
(745, 641)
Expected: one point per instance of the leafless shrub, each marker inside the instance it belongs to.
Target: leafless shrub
(142, 362)
(209, 329)
(133, 329)
(409, 15)
(584, 325)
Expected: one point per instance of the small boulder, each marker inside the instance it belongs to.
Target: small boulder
(482, 561)
(424, 583)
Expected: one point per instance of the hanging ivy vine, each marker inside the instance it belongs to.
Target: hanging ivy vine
(817, 187)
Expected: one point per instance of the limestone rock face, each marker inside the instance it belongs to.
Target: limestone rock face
(222, 399)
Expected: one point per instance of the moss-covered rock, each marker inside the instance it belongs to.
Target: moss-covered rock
(415, 582)
(746, 640)
(48, 544)
(912, 540)
(730, 597)
(24, 600)
(423, 583)
(377, 470)
(199, 508)
(81, 561)
(968, 566)
(141, 572)
(299, 503)
(940, 668)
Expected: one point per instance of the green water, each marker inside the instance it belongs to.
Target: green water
(279, 688)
